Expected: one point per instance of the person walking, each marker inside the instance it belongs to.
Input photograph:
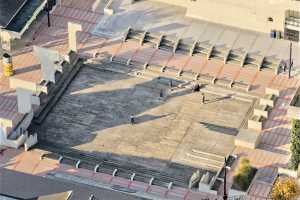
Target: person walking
(203, 98)
(131, 119)
(161, 93)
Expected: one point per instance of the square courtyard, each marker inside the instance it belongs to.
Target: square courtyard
(93, 115)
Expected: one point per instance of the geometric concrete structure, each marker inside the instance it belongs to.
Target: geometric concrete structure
(270, 97)
(26, 94)
(281, 17)
(6, 40)
(247, 138)
(50, 62)
(72, 30)
(31, 141)
(18, 83)
(210, 51)
(26, 99)
(13, 131)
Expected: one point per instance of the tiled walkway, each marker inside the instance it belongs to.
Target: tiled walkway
(30, 162)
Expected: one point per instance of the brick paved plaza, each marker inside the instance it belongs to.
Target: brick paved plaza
(93, 114)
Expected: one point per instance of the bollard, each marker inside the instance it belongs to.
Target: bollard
(151, 181)
(78, 163)
(96, 168)
(170, 185)
(60, 159)
(132, 177)
(7, 65)
(115, 172)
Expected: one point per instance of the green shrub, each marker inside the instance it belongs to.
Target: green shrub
(295, 145)
(244, 175)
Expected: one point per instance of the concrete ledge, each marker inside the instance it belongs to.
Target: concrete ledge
(293, 112)
(18, 83)
(262, 110)
(247, 138)
(272, 91)
(256, 122)
(288, 172)
(268, 99)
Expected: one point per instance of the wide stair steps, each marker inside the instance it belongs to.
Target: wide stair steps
(205, 160)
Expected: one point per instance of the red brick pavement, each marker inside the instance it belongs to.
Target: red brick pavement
(29, 162)
(274, 137)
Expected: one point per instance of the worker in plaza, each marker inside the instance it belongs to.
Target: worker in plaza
(202, 98)
(161, 93)
(170, 83)
(196, 87)
(131, 119)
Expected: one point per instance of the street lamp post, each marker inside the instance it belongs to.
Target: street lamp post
(225, 180)
(48, 13)
(290, 59)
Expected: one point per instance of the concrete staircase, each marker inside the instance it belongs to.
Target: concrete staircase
(209, 161)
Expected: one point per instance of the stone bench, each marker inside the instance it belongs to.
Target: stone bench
(222, 82)
(120, 60)
(170, 71)
(268, 99)
(155, 68)
(256, 122)
(240, 85)
(247, 138)
(189, 75)
(262, 110)
(206, 78)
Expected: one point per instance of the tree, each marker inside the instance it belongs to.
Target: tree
(285, 189)
(295, 145)
(244, 174)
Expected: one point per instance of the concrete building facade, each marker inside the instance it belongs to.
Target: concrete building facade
(265, 16)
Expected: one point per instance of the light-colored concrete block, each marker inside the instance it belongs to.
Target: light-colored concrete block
(268, 100)
(30, 141)
(18, 83)
(50, 62)
(272, 91)
(6, 40)
(25, 100)
(262, 110)
(256, 122)
(247, 138)
(72, 30)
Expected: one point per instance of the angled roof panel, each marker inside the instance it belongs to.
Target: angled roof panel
(25, 14)
(8, 10)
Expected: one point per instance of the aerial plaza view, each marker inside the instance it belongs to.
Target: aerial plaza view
(149, 99)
